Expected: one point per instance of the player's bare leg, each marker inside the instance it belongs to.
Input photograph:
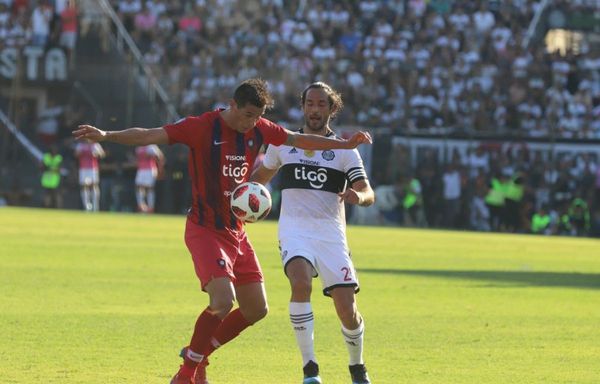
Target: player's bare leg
(300, 273)
(353, 331)
(140, 197)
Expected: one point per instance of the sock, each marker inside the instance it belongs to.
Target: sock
(301, 317)
(206, 325)
(354, 342)
(96, 197)
(85, 198)
(151, 199)
(233, 324)
(139, 197)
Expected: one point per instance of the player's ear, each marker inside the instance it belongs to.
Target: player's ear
(232, 104)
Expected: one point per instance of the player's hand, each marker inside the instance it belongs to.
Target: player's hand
(88, 132)
(350, 196)
(359, 138)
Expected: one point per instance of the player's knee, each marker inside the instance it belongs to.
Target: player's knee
(221, 307)
(301, 287)
(255, 314)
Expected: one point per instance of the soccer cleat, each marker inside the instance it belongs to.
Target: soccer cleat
(311, 373)
(179, 379)
(200, 374)
(359, 375)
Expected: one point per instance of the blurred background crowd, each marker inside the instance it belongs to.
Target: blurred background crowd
(406, 68)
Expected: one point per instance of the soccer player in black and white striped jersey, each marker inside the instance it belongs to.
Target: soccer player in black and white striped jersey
(312, 228)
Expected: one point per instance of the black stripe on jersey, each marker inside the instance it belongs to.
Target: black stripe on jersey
(259, 142)
(304, 176)
(240, 150)
(213, 186)
(198, 184)
(356, 173)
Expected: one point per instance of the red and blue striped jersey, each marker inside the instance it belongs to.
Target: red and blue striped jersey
(220, 159)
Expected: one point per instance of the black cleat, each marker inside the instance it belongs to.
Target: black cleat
(311, 373)
(359, 374)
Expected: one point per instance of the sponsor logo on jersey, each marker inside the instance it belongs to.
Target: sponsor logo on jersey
(238, 173)
(316, 178)
(328, 155)
(236, 157)
(293, 150)
(309, 162)
(309, 153)
(251, 143)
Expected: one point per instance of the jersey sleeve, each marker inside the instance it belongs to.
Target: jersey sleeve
(272, 159)
(183, 131)
(353, 166)
(273, 133)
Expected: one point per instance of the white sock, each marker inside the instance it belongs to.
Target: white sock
(85, 198)
(139, 196)
(354, 342)
(301, 317)
(151, 198)
(96, 197)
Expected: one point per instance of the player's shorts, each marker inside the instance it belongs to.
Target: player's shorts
(222, 254)
(146, 177)
(330, 260)
(88, 176)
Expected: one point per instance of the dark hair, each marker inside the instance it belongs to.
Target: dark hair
(335, 99)
(255, 92)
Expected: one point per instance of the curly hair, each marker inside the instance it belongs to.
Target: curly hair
(253, 91)
(335, 99)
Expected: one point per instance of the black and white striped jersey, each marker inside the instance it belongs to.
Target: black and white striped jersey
(310, 182)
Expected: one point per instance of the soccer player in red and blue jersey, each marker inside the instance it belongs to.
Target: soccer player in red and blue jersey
(223, 146)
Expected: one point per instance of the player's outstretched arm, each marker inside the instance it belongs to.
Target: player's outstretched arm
(317, 142)
(130, 136)
(263, 174)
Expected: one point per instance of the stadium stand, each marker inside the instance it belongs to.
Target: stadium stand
(477, 75)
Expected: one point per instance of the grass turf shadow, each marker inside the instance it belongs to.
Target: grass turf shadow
(540, 279)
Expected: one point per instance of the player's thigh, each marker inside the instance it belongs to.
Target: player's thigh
(335, 266)
(88, 177)
(246, 267)
(145, 178)
(213, 253)
(298, 256)
(343, 299)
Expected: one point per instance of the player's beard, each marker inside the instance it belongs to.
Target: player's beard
(315, 126)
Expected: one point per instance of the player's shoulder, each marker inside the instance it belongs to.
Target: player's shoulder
(198, 119)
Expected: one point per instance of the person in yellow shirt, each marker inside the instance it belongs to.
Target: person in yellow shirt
(51, 162)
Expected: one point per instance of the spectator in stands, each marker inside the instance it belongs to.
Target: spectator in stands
(68, 22)
(40, 21)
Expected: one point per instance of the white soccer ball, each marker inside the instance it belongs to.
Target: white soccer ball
(250, 202)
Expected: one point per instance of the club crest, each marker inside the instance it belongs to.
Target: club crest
(328, 155)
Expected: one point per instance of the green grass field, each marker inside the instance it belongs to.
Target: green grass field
(110, 298)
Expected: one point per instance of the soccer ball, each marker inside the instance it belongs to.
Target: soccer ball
(250, 202)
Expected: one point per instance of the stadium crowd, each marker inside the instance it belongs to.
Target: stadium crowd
(39, 23)
(417, 66)
(420, 66)
(491, 188)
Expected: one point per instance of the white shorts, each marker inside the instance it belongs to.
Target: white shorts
(145, 178)
(88, 176)
(330, 260)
